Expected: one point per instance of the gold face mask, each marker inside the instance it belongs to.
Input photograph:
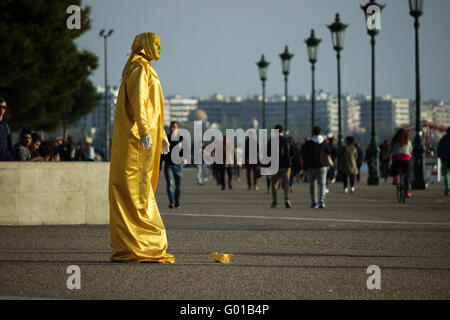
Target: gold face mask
(148, 42)
(154, 45)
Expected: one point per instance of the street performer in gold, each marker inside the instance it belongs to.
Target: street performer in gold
(137, 230)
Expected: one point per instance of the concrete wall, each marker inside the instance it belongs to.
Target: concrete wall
(34, 193)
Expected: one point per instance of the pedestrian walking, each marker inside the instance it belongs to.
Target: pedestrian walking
(316, 154)
(173, 171)
(347, 158)
(201, 167)
(252, 167)
(298, 150)
(359, 159)
(443, 152)
(227, 164)
(237, 167)
(384, 160)
(296, 163)
(331, 175)
(285, 155)
(215, 168)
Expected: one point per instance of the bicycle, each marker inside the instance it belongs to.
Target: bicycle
(402, 186)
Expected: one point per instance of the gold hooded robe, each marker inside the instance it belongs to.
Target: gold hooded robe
(137, 232)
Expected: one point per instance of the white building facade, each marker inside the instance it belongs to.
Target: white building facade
(389, 111)
(178, 109)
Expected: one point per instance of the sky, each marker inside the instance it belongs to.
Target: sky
(210, 46)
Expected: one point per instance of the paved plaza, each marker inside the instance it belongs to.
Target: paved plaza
(296, 253)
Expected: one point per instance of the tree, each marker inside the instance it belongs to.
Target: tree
(42, 71)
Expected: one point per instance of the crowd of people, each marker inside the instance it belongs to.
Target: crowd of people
(30, 146)
(56, 149)
(317, 161)
(314, 161)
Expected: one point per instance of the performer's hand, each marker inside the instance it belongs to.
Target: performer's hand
(165, 147)
(146, 141)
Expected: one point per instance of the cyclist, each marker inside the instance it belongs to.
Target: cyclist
(401, 150)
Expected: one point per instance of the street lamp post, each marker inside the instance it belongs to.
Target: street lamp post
(105, 35)
(416, 10)
(312, 43)
(262, 67)
(286, 57)
(337, 36)
(372, 150)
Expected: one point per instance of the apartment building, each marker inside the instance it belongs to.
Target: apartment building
(178, 109)
(389, 111)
